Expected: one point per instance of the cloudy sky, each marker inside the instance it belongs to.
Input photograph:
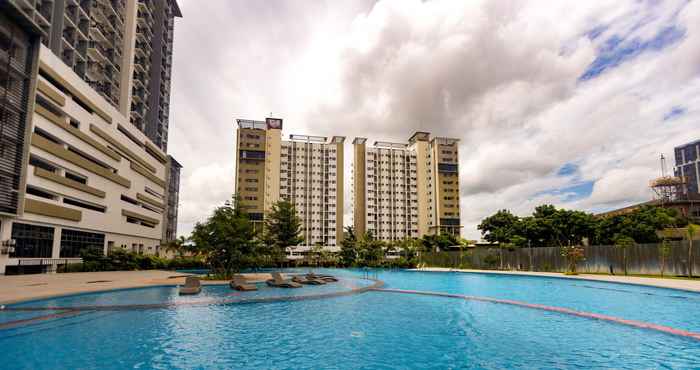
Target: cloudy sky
(562, 102)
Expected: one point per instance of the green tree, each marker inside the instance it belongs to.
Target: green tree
(642, 225)
(499, 228)
(282, 229)
(624, 242)
(177, 246)
(370, 252)
(228, 240)
(664, 252)
(348, 247)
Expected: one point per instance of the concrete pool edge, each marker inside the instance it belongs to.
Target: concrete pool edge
(690, 286)
(376, 284)
(561, 310)
(27, 288)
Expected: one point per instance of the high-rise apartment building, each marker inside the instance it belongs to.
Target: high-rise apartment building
(75, 173)
(406, 190)
(152, 56)
(688, 166)
(306, 170)
(121, 48)
(172, 193)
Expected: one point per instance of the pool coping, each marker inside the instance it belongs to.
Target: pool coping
(690, 285)
(113, 289)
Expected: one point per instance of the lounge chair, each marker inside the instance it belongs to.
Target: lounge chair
(239, 283)
(192, 286)
(278, 281)
(305, 280)
(326, 278)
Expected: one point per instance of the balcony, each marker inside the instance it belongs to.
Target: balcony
(97, 33)
(97, 51)
(96, 72)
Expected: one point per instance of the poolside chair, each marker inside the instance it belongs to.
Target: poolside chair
(239, 283)
(279, 282)
(308, 281)
(192, 286)
(326, 278)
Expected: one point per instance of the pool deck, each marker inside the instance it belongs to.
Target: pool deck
(17, 288)
(681, 284)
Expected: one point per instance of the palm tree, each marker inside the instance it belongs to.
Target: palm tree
(176, 246)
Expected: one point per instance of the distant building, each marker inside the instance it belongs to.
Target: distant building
(172, 194)
(306, 170)
(406, 190)
(688, 167)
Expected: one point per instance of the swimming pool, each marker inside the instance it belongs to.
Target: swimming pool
(369, 330)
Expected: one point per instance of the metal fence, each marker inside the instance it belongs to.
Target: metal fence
(641, 259)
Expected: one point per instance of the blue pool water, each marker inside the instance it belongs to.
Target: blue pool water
(371, 330)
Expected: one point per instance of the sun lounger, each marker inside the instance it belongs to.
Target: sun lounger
(326, 278)
(239, 283)
(279, 282)
(192, 286)
(305, 280)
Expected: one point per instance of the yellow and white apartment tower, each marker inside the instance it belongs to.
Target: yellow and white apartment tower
(79, 168)
(306, 170)
(406, 190)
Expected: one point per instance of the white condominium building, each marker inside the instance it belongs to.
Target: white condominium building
(306, 170)
(77, 172)
(405, 190)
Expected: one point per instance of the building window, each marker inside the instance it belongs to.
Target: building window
(40, 193)
(38, 162)
(32, 241)
(86, 205)
(74, 242)
(76, 178)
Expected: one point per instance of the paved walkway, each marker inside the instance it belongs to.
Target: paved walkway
(682, 284)
(17, 288)
(25, 287)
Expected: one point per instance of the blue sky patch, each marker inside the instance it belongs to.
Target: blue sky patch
(571, 193)
(567, 169)
(596, 31)
(675, 112)
(618, 49)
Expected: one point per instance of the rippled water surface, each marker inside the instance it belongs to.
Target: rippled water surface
(372, 330)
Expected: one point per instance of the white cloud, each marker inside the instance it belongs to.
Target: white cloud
(501, 76)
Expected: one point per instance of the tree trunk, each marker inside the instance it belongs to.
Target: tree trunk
(501, 255)
(690, 257)
(663, 265)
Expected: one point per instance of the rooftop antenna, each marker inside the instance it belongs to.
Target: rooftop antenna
(663, 165)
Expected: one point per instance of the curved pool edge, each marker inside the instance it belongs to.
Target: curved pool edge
(656, 283)
(376, 284)
(561, 310)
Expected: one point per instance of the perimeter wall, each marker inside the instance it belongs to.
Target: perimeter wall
(641, 259)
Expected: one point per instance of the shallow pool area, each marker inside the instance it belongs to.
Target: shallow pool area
(314, 327)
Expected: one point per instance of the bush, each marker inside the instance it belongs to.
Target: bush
(122, 260)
